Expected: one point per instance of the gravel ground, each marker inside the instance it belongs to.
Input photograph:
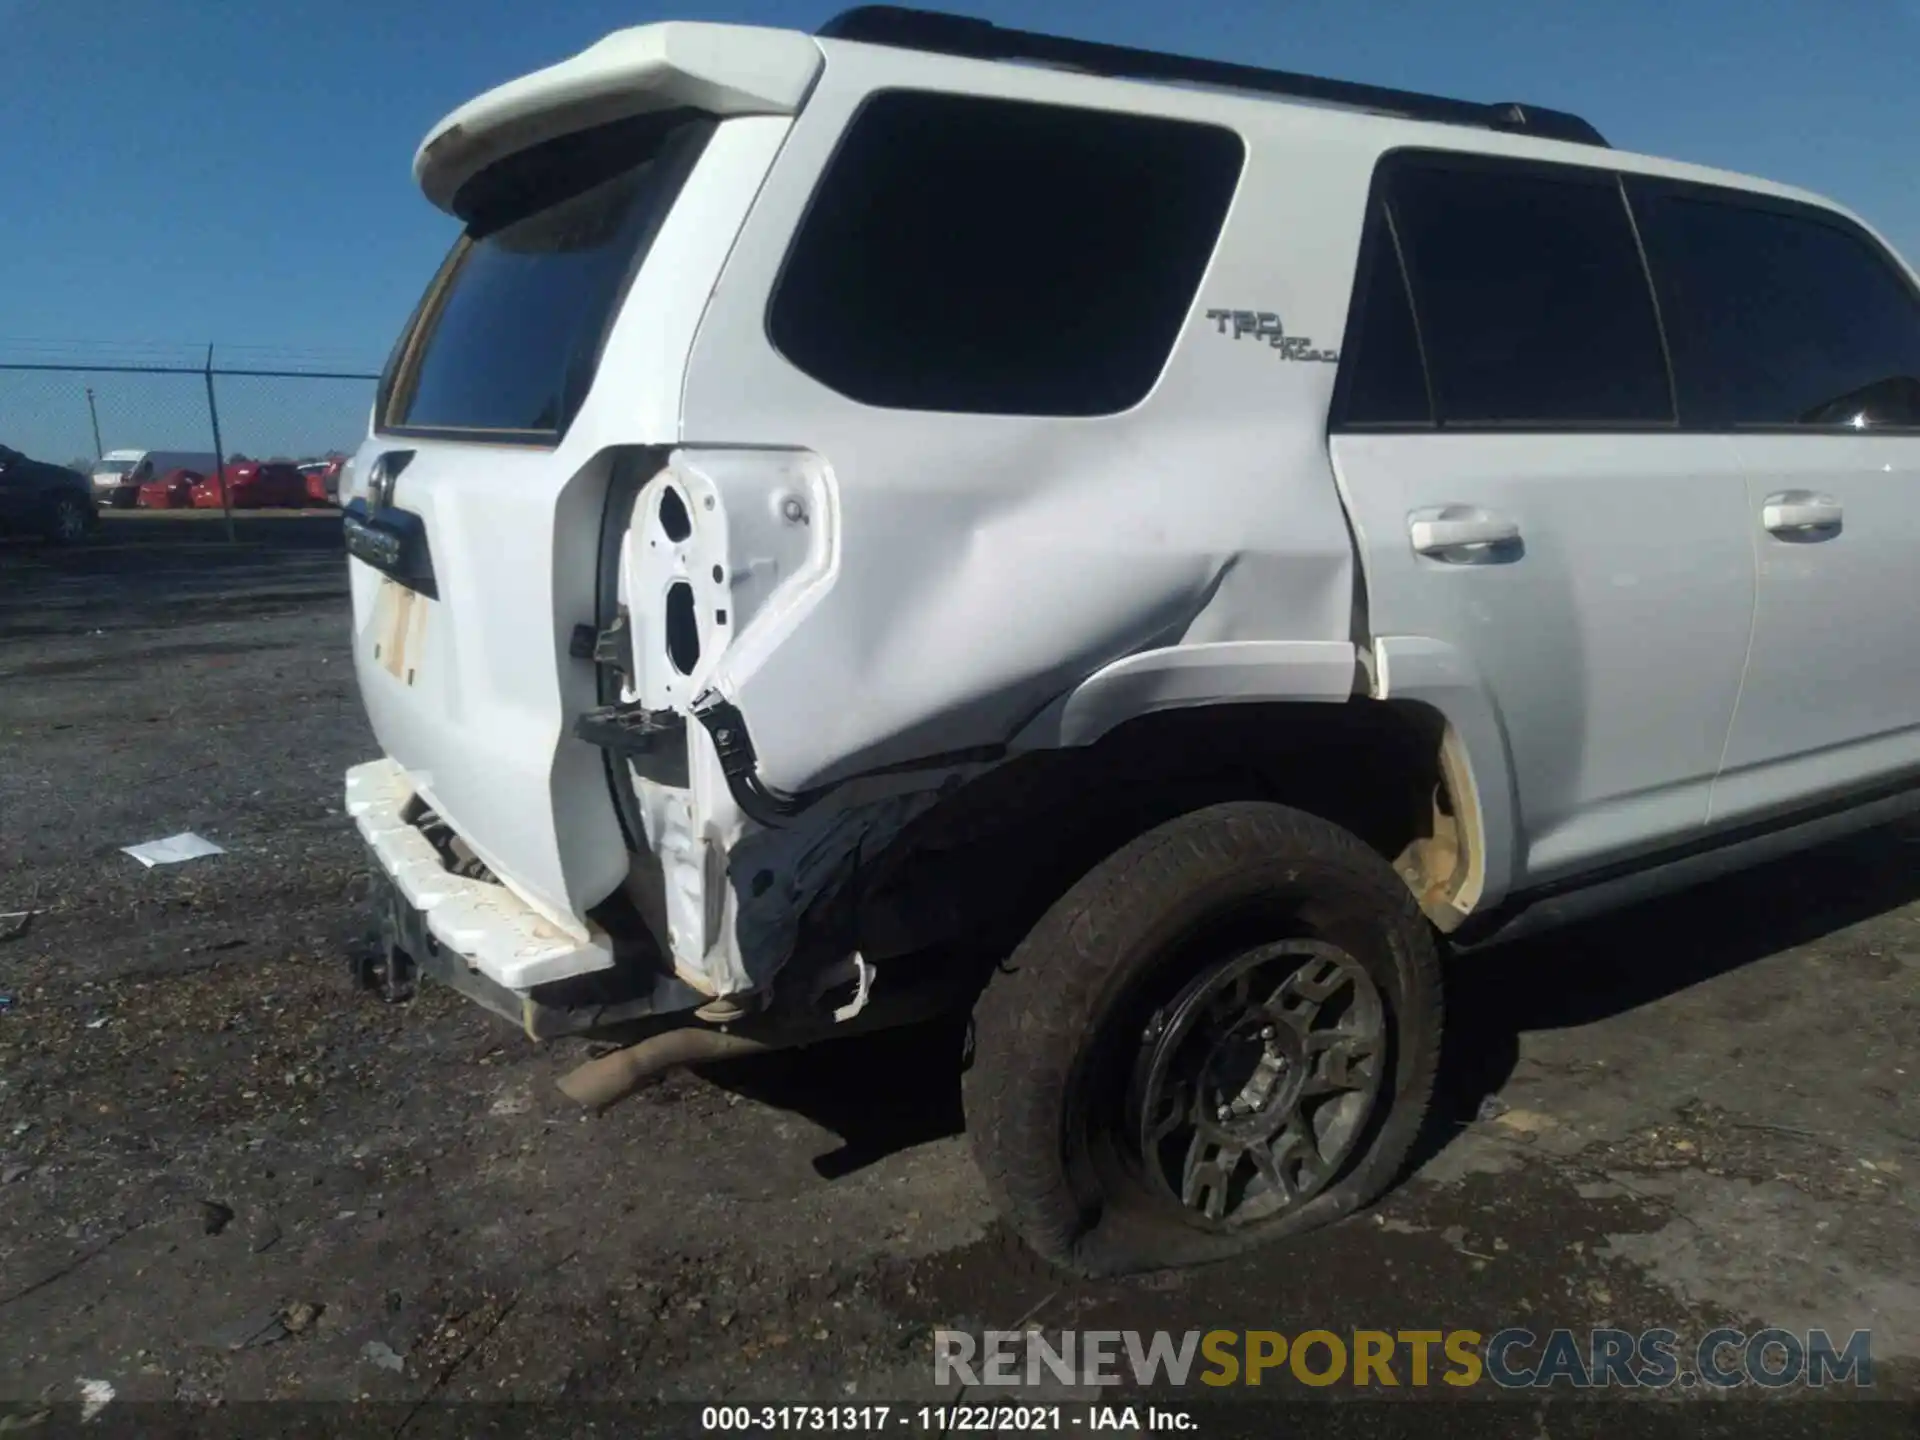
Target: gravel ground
(227, 1176)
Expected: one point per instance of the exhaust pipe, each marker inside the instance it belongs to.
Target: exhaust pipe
(599, 1083)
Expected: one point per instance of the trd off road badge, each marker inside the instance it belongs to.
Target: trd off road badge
(1265, 325)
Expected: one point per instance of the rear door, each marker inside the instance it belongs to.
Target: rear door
(548, 350)
(1798, 335)
(1506, 440)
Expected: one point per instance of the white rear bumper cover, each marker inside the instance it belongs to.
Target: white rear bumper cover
(497, 932)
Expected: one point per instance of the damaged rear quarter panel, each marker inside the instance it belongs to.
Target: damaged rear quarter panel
(986, 565)
(980, 568)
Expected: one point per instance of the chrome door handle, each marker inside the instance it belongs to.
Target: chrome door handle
(1796, 512)
(1458, 527)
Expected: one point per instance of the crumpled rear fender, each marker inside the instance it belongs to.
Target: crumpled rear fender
(846, 657)
(877, 630)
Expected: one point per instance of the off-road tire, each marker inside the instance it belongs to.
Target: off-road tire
(1039, 1023)
(68, 521)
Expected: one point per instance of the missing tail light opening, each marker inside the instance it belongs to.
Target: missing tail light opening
(675, 523)
(683, 631)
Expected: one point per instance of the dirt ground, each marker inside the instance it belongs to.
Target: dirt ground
(229, 1176)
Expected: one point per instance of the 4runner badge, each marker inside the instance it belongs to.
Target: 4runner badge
(1265, 325)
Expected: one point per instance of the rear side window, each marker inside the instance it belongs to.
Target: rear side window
(1782, 316)
(507, 340)
(1532, 299)
(991, 256)
(1383, 379)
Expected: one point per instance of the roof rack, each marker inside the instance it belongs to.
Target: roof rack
(962, 35)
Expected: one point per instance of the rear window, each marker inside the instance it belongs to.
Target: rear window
(991, 256)
(508, 338)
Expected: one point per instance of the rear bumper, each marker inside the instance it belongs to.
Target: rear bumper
(409, 950)
(499, 936)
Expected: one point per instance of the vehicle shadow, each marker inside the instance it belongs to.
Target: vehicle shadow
(881, 1092)
(1620, 962)
(888, 1092)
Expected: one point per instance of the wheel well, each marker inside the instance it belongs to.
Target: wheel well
(982, 866)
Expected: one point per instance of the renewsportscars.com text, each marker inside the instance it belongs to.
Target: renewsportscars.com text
(1513, 1358)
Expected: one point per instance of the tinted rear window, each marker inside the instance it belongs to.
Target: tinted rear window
(1385, 378)
(1780, 316)
(510, 336)
(991, 256)
(1533, 302)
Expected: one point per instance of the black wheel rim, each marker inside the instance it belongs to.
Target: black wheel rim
(1255, 1083)
(69, 521)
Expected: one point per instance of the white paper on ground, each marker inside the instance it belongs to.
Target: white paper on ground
(172, 850)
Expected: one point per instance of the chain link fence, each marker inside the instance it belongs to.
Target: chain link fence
(80, 415)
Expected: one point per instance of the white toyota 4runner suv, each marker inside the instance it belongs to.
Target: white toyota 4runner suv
(1152, 550)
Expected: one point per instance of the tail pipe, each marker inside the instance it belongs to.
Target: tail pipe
(929, 991)
(600, 1083)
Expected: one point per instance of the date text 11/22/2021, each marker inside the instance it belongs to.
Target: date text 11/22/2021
(971, 1419)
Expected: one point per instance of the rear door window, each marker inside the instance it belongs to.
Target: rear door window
(1781, 315)
(1383, 380)
(1532, 299)
(968, 254)
(507, 340)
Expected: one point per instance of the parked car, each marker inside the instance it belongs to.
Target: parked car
(119, 474)
(1170, 551)
(253, 485)
(38, 498)
(172, 491)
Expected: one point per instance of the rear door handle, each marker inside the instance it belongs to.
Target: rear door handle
(1797, 512)
(1453, 528)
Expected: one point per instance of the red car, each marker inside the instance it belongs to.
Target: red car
(323, 481)
(172, 491)
(254, 485)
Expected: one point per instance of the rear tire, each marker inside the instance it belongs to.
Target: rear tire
(68, 521)
(1224, 1035)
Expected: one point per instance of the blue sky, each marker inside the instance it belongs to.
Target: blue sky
(180, 172)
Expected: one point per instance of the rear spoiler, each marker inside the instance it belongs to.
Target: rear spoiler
(721, 70)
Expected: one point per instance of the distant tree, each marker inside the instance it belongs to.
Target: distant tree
(238, 459)
(83, 466)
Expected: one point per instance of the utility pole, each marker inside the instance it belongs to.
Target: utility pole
(219, 451)
(99, 453)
